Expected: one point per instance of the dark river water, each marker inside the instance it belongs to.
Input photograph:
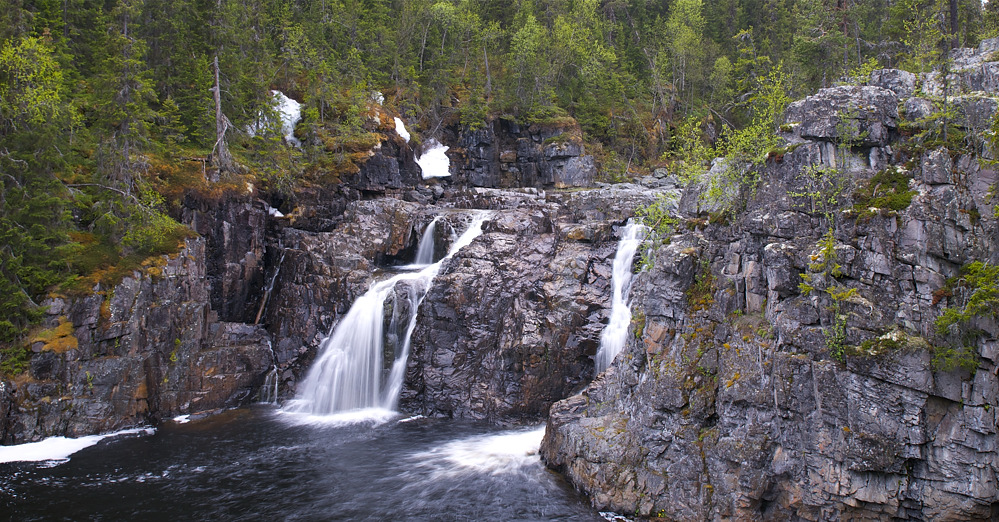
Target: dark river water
(256, 464)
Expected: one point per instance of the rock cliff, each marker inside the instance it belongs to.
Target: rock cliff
(785, 362)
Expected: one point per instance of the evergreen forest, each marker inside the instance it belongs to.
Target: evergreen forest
(112, 110)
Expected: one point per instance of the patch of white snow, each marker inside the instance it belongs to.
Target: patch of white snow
(434, 162)
(400, 129)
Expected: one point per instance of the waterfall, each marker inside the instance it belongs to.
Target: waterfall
(425, 252)
(347, 374)
(615, 334)
(269, 391)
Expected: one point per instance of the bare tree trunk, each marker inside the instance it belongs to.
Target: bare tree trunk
(220, 153)
(489, 78)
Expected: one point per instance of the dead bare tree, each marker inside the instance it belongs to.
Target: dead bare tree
(220, 152)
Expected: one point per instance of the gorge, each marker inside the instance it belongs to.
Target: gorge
(780, 357)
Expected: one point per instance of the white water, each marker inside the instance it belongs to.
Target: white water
(434, 162)
(615, 334)
(425, 252)
(347, 374)
(59, 448)
(500, 453)
(400, 129)
(269, 391)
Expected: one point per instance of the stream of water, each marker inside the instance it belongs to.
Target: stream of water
(253, 464)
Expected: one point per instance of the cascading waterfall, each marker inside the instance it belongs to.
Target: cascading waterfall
(347, 374)
(615, 334)
(425, 252)
(269, 391)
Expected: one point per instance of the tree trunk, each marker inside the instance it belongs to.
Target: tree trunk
(220, 153)
(489, 79)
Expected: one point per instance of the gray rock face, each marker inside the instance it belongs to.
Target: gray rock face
(507, 155)
(902, 83)
(862, 115)
(512, 322)
(743, 395)
(235, 230)
(149, 349)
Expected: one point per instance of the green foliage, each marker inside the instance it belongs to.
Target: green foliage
(954, 358)
(658, 218)
(688, 151)
(14, 359)
(822, 192)
(888, 189)
(822, 275)
(918, 33)
(862, 74)
(700, 295)
(977, 293)
(936, 130)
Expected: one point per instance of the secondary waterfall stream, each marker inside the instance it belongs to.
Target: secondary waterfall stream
(347, 374)
(425, 250)
(615, 334)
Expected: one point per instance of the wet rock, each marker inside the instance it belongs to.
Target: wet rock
(145, 351)
(513, 320)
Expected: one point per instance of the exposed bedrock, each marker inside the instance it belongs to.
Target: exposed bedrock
(747, 390)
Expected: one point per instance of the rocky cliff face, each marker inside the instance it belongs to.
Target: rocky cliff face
(149, 348)
(513, 320)
(786, 365)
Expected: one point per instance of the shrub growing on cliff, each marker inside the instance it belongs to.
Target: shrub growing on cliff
(976, 294)
(658, 217)
(821, 276)
(888, 189)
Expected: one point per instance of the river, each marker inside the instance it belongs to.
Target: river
(259, 463)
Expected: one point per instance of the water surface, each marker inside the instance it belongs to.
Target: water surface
(254, 464)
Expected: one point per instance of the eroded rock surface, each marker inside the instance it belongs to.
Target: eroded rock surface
(748, 391)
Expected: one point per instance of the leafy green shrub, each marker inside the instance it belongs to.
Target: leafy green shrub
(976, 291)
(979, 284)
(888, 189)
(952, 358)
(661, 224)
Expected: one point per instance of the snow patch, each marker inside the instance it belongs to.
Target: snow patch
(434, 162)
(291, 113)
(400, 129)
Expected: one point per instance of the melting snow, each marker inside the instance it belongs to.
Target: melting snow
(434, 162)
(400, 129)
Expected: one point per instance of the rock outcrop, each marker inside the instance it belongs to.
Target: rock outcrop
(148, 349)
(511, 323)
(507, 155)
(786, 365)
